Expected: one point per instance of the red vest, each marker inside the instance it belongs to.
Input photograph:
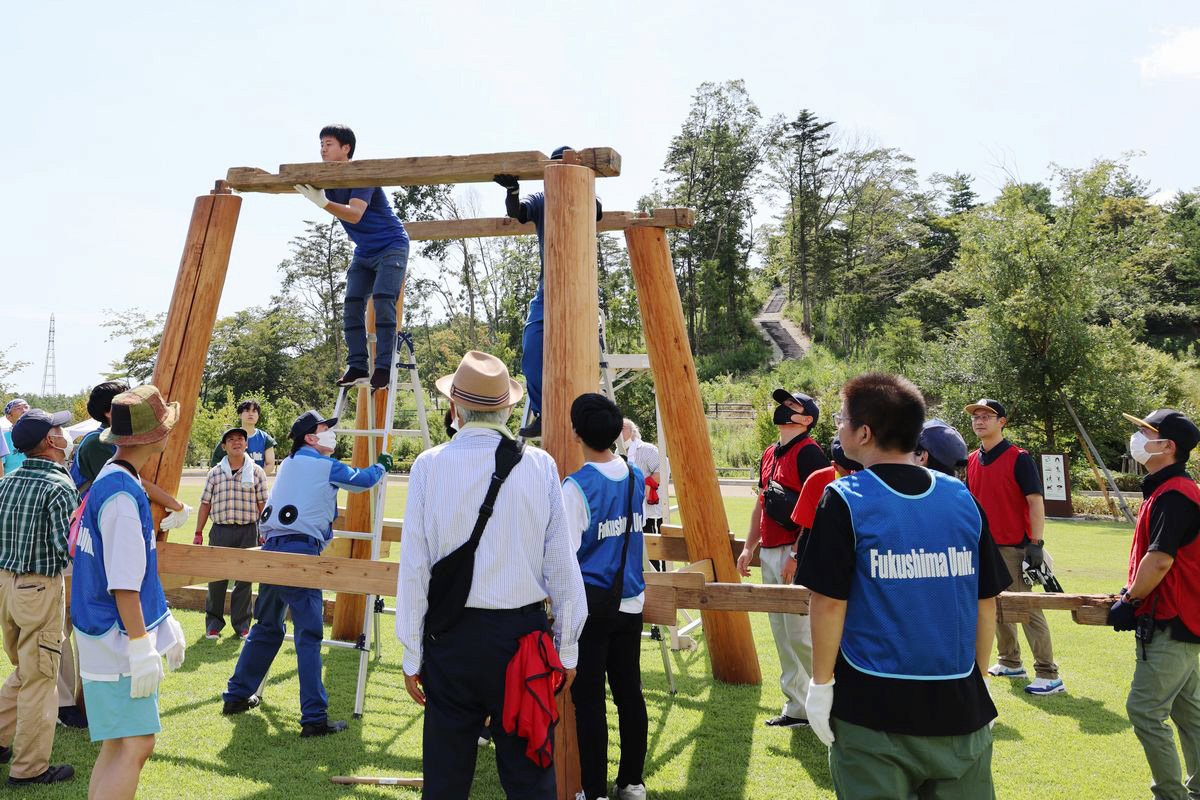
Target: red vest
(995, 487)
(1177, 594)
(783, 470)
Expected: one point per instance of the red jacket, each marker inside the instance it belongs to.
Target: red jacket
(781, 463)
(534, 677)
(1000, 496)
(1176, 595)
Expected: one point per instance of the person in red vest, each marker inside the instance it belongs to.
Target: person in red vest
(1161, 601)
(781, 474)
(810, 497)
(1005, 481)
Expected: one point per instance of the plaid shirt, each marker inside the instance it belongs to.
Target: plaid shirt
(36, 502)
(231, 501)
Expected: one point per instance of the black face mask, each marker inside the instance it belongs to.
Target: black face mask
(783, 415)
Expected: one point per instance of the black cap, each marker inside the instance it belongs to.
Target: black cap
(944, 444)
(809, 405)
(307, 423)
(841, 459)
(991, 405)
(1169, 423)
(30, 429)
(234, 429)
(558, 152)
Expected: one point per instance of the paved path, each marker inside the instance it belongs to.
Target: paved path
(785, 337)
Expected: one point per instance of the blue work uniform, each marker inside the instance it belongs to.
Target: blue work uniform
(298, 518)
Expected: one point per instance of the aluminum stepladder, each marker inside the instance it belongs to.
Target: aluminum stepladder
(376, 433)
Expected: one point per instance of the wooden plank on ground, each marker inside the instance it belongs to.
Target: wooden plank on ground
(435, 230)
(416, 783)
(352, 576)
(415, 171)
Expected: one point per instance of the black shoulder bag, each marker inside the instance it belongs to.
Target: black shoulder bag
(450, 578)
(607, 602)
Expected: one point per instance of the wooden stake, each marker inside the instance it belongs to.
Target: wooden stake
(570, 366)
(188, 331)
(415, 783)
(730, 641)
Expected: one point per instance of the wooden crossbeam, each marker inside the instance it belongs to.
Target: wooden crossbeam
(349, 575)
(433, 230)
(667, 547)
(415, 171)
(392, 527)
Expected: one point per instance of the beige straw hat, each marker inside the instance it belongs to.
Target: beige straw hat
(481, 383)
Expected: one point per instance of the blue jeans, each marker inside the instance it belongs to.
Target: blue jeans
(381, 277)
(531, 348)
(266, 636)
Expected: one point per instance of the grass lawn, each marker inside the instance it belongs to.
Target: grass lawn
(707, 741)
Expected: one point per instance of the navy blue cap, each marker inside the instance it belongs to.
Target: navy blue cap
(31, 428)
(558, 151)
(806, 402)
(944, 444)
(307, 423)
(841, 459)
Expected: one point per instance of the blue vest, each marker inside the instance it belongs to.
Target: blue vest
(599, 551)
(93, 609)
(76, 473)
(914, 601)
(302, 501)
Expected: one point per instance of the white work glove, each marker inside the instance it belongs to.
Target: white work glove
(817, 706)
(175, 519)
(312, 194)
(145, 667)
(176, 651)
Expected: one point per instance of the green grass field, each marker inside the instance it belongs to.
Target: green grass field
(707, 741)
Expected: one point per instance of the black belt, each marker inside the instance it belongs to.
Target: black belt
(529, 609)
(250, 524)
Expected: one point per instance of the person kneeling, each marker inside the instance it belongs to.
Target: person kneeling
(604, 503)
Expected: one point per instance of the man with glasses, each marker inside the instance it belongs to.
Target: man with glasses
(1005, 481)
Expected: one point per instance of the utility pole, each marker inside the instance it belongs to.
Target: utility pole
(49, 378)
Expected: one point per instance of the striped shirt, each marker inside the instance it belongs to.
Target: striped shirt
(524, 555)
(645, 457)
(232, 499)
(36, 502)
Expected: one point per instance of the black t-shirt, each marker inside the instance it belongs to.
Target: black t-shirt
(1024, 470)
(1174, 523)
(896, 705)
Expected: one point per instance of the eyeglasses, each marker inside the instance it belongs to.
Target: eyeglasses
(982, 417)
(839, 418)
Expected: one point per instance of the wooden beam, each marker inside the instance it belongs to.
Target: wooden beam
(412, 783)
(348, 575)
(392, 528)
(416, 171)
(679, 580)
(439, 229)
(659, 607)
(671, 546)
(193, 598)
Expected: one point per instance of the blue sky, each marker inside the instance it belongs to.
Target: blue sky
(119, 115)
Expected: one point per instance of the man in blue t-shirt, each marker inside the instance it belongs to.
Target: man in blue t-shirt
(380, 260)
(532, 208)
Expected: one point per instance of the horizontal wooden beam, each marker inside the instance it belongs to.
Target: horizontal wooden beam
(392, 528)
(436, 230)
(415, 171)
(193, 598)
(350, 575)
(671, 546)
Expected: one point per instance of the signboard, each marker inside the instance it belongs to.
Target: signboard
(1056, 485)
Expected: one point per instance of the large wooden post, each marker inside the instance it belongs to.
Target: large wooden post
(349, 609)
(570, 364)
(186, 336)
(730, 642)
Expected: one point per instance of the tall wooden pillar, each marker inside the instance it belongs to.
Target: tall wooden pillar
(349, 610)
(730, 642)
(570, 363)
(186, 336)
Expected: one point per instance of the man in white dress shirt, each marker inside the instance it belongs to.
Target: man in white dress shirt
(524, 555)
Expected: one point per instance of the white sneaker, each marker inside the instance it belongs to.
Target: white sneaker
(1040, 686)
(631, 792)
(581, 796)
(1001, 671)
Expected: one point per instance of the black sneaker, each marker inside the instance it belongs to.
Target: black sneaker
(72, 717)
(784, 721)
(5, 754)
(53, 774)
(380, 378)
(533, 430)
(241, 706)
(322, 728)
(353, 375)
(655, 633)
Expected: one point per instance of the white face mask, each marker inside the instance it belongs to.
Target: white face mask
(1137, 447)
(327, 439)
(70, 446)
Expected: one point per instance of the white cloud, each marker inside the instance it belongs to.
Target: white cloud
(1175, 57)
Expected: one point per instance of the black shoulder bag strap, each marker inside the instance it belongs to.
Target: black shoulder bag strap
(450, 578)
(619, 583)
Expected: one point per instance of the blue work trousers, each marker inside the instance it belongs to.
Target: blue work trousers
(382, 278)
(531, 349)
(267, 635)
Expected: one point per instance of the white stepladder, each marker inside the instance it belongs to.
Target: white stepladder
(374, 433)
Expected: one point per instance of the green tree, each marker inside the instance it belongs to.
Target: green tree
(314, 282)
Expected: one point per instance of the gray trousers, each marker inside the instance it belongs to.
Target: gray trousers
(243, 536)
(1167, 684)
(793, 638)
(1037, 630)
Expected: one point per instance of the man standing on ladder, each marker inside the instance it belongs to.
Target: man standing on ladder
(380, 260)
(532, 208)
(299, 519)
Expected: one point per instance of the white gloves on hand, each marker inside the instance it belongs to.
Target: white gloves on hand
(145, 667)
(176, 651)
(312, 194)
(175, 519)
(817, 706)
